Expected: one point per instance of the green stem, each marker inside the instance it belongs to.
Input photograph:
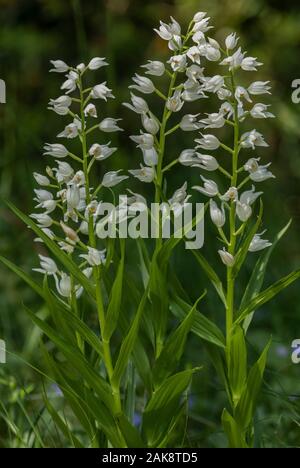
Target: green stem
(232, 241)
(161, 153)
(97, 269)
(169, 166)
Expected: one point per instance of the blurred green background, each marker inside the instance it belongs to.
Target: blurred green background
(34, 31)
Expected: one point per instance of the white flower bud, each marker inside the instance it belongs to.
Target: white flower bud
(252, 165)
(139, 105)
(101, 152)
(41, 180)
(231, 195)
(150, 157)
(258, 244)
(143, 84)
(101, 91)
(84, 228)
(96, 63)
(110, 125)
(64, 285)
(144, 140)
(91, 111)
(226, 257)
(260, 111)
(80, 67)
(189, 123)
(231, 41)
(94, 257)
(252, 139)
(250, 64)
(243, 211)
(188, 157)
(48, 266)
(43, 220)
(57, 150)
(69, 85)
(144, 174)
(69, 232)
(194, 55)
(208, 142)
(178, 63)
(154, 68)
(199, 16)
(217, 215)
(210, 188)
(206, 162)
(150, 124)
(112, 178)
(259, 87)
(250, 196)
(175, 103)
(73, 196)
(59, 66)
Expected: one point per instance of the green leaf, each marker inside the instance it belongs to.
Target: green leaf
(163, 405)
(233, 432)
(62, 426)
(130, 433)
(202, 326)
(246, 407)
(174, 347)
(158, 294)
(84, 331)
(115, 299)
(217, 357)
(258, 275)
(268, 294)
(244, 249)
(237, 365)
(129, 343)
(77, 360)
(71, 392)
(211, 274)
(61, 256)
(105, 420)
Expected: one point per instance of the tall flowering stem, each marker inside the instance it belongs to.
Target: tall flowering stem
(233, 234)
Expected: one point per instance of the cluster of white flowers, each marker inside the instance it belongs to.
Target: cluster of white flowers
(67, 190)
(68, 207)
(189, 83)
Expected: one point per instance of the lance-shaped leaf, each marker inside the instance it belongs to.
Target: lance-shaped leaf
(115, 299)
(77, 360)
(130, 433)
(202, 326)
(173, 349)
(128, 343)
(61, 425)
(268, 294)
(211, 275)
(164, 405)
(237, 365)
(258, 276)
(158, 294)
(232, 430)
(246, 407)
(82, 329)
